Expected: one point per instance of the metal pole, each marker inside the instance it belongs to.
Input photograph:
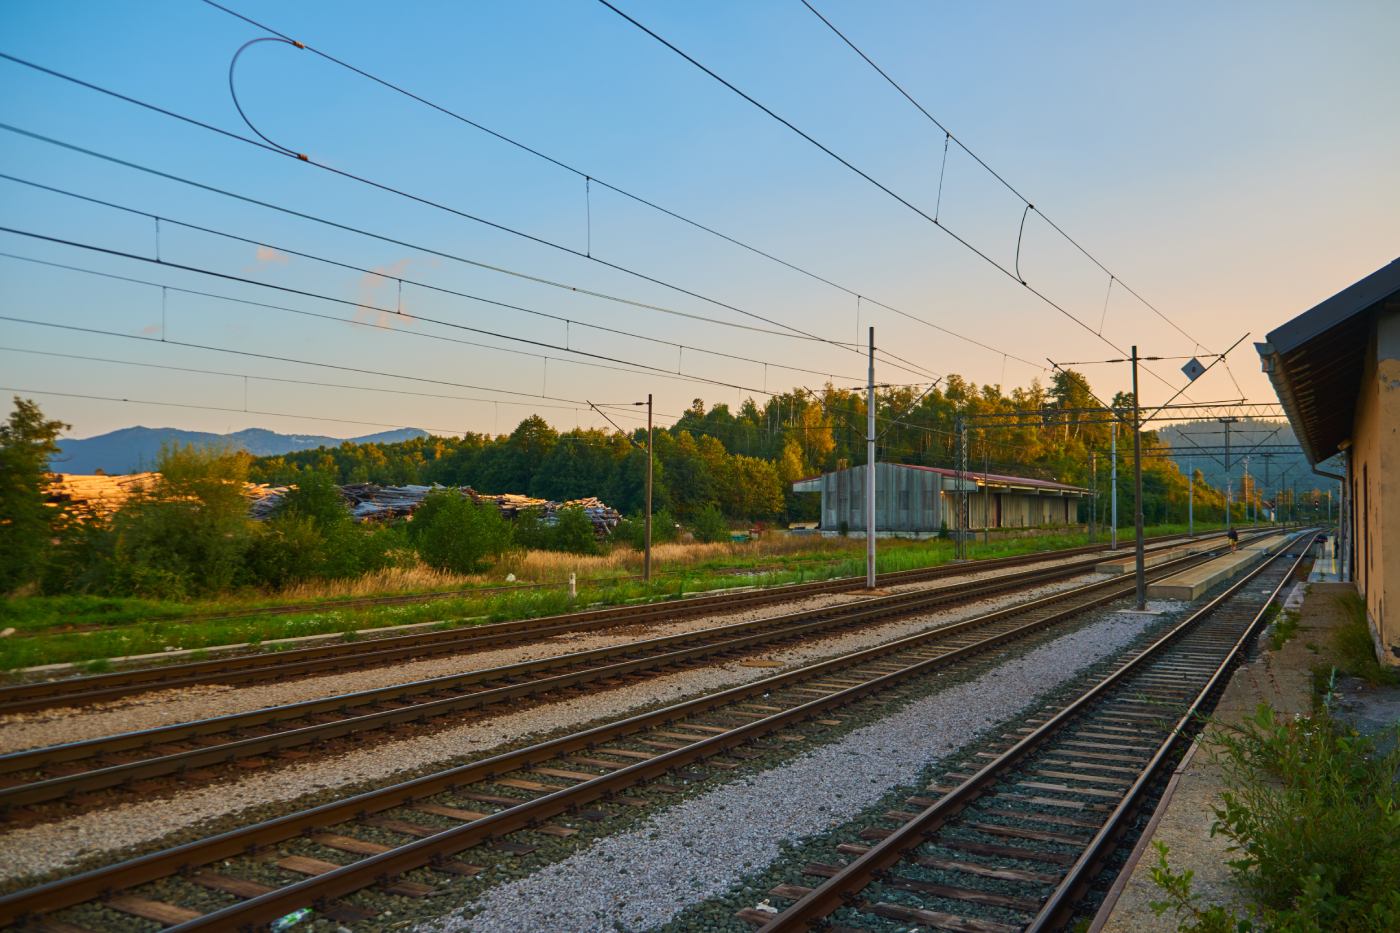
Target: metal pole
(1113, 491)
(1190, 500)
(1137, 490)
(986, 496)
(1094, 501)
(646, 558)
(870, 469)
(1229, 482)
(1246, 492)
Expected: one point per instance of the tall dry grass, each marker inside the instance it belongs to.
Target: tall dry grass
(554, 567)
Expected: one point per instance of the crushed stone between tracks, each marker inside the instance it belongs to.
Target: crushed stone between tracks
(52, 846)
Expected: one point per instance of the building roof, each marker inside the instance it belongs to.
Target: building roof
(992, 479)
(999, 479)
(1315, 361)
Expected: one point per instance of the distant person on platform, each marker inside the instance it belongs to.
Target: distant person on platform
(1234, 537)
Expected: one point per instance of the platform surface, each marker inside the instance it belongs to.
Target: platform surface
(1190, 584)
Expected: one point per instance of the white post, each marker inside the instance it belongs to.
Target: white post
(573, 585)
(870, 470)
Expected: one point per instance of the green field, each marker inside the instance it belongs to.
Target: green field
(91, 629)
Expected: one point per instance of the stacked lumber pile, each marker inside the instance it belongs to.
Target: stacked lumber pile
(87, 496)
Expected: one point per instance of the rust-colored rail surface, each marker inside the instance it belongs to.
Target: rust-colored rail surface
(443, 816)
(344, 656)
(1058, 800)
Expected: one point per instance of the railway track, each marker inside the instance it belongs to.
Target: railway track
(189, 749)
(405, 839)
(1019, 843)
(345, 656)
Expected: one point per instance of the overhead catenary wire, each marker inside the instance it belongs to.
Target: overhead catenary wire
(77, 328)
(360, 231)
(578, 408)
(949, 135)
(220, 408)
(638, 368)
(404, 280)
(420, 199)
(591, 179)
(1009, 273)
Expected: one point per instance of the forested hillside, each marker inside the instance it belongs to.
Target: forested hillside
(1272, 449)
(744, 462)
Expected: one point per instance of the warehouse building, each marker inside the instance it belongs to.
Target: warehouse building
(921, 500)
(1336, 368)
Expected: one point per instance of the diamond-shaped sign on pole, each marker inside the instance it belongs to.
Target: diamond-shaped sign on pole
(1193, 369)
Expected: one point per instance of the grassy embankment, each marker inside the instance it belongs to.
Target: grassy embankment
(75, 629)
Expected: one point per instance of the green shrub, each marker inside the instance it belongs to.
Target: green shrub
(573, 532)
(453, 533)
(709, 525)
(317, 498)
(188, 532)
(632, 529)
(288, 549)
(1312, 812)
(26, 443)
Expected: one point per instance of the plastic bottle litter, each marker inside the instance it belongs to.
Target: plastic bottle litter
(290, 920)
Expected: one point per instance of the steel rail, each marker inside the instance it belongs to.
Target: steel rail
(248, 668)
(103, 881)
(842, 887)
(722, 640)
(1061, 903)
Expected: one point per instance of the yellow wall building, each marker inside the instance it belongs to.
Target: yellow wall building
(1336, 368)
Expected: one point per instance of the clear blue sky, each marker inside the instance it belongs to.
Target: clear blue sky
(1233, 163)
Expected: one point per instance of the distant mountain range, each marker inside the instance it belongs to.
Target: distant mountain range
(132, 450)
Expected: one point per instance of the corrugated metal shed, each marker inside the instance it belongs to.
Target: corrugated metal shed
(912, 499)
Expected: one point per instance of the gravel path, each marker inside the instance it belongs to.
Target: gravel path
(158, 708)
(51, 846)
(701, 847)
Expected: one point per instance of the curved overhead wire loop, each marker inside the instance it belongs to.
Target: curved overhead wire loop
(1019, 236)
(233, 92)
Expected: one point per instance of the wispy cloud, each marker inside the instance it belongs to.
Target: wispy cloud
(266, 255)
(380, 288)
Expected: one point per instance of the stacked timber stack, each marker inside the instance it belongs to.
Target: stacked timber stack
(263, 499)
(374, 503)
(96, 495)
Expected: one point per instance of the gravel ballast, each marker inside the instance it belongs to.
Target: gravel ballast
(56, 845)
(701, 847)
(164, 707)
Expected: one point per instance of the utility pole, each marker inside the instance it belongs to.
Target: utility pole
(646, 558)
(986, 494)
(646, 545)
(870, 469)
(961, 530)
(1229, 482)
(1246, 491)
(1137, 490)
(1113, 484)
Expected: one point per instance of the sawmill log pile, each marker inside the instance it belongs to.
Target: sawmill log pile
(98, 496)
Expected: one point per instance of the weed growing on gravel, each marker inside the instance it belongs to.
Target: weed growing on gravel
(1312, 813)
(1356, 652)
